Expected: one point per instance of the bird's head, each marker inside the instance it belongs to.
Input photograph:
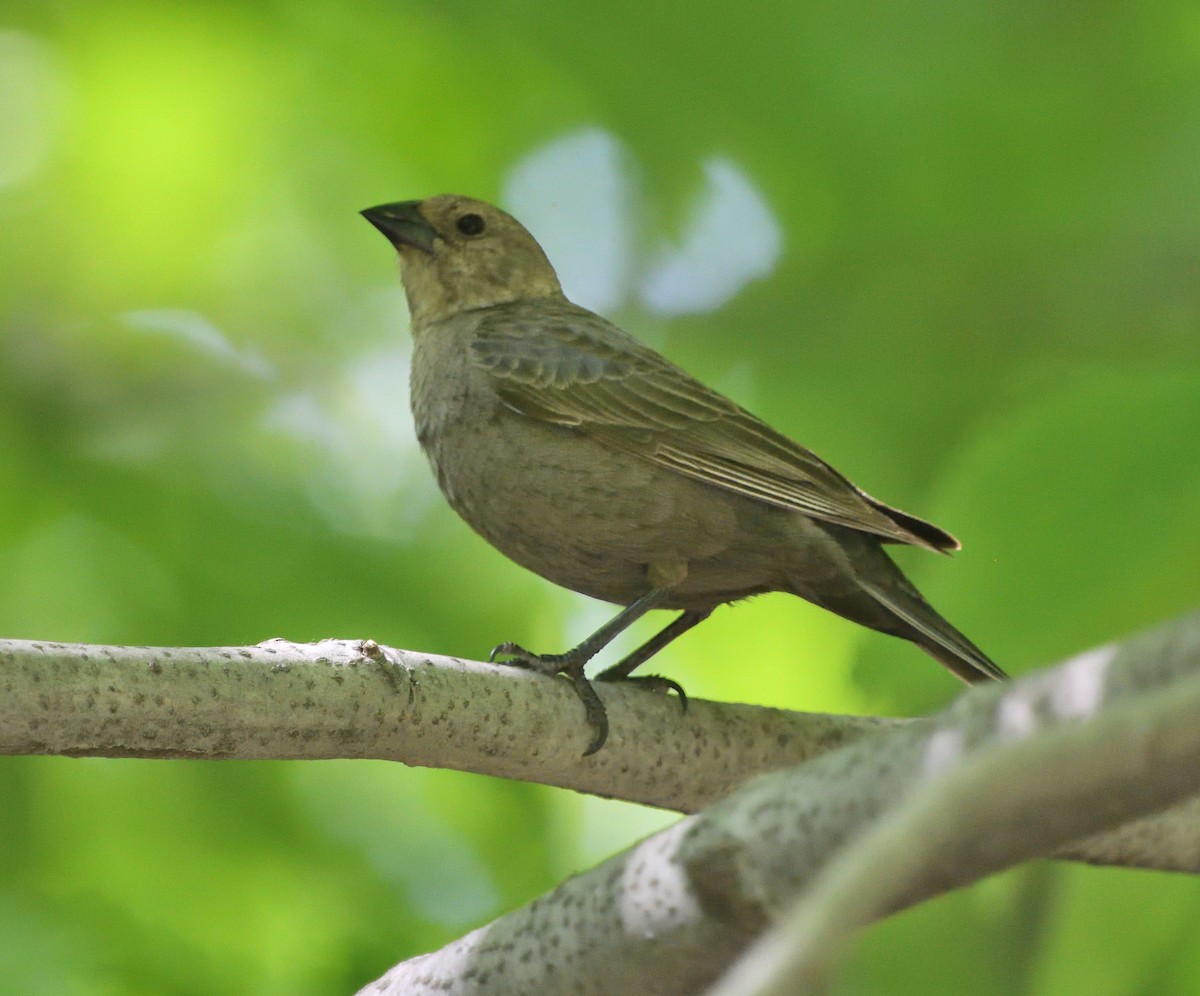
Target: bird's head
(459, 254)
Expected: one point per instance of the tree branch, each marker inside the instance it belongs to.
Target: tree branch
(872, 815)
(1007, 774)
(354, 699)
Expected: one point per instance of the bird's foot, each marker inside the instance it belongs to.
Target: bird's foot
(515, 655)
(652, 682)
(570, 666)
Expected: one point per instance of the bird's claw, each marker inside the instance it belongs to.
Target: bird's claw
(653, 682)
(513, 651)
(515, 655)
(593, 710)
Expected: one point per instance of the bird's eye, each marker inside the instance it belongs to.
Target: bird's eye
(471, 224)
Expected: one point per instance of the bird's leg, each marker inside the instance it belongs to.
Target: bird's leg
(575, 658)
(571, 663)
(622, 669)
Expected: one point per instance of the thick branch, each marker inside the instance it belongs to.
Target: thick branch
(1039, 781)
(347, 699)
(1005, 775)
(1109, 737)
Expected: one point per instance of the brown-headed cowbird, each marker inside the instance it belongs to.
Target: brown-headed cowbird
(588, 458)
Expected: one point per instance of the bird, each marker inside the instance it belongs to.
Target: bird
(590, 459)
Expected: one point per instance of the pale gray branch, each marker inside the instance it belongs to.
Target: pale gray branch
(1097, 760)
(807, 855)
(350, 699)
(1065, 754)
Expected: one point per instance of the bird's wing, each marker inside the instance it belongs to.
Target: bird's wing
(580, 371)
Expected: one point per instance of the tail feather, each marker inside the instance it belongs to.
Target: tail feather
(940, 640)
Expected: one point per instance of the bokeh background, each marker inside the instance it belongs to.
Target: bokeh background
(952, 247)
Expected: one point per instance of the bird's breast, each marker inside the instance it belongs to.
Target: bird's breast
(556, 501)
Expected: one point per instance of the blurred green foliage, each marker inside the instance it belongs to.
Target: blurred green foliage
(986, 309)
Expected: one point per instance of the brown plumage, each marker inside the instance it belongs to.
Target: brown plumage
(589, 458)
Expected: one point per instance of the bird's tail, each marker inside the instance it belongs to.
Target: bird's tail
(932, 633)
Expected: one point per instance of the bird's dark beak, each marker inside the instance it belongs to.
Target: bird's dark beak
(403, 224)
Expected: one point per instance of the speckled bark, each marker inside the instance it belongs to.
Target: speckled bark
(807, 855)
(1073, 762)
(1097, 743)
(332, 699)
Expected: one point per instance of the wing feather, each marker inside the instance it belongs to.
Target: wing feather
(580, 371)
